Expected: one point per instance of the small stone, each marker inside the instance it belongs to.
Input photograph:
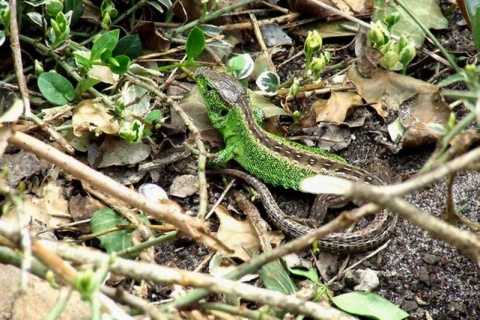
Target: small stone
(366, 280)
(430, 258)
(408, 295)
(184, 186)
(409, 305)
(327, 264)
(423, 275)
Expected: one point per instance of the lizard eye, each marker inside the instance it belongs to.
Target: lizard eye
(224, 112)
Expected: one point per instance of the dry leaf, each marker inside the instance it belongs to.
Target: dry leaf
(118, 152)
(48, 207)
(425, 110)
(236, 235)
(386, 91)
(151, 38)
(92, 117)
(337, 107)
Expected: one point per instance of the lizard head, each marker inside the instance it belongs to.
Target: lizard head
(220, 91)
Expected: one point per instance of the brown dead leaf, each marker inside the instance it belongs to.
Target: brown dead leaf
(192, 104)
(92, 117)
(220, 265)
(333, 137)
(337, 107)
(386, 91)
(425, 110)
(82, 208)
(151, 38)
(48, 206)
(19, 166)
(239, 236)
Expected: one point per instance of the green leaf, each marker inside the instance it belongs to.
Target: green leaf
(53, 7)
(311, 274)
(82, 61)
(131, 131)
(131, 46)
(369, 305)
(154, 115)
(2, 37)
(36, 18)
(76, 6)
(195, 43)
(472, 7)
(429, 13)
(107, 41)
(241, 66)
(55, 88)
(121, 66)
(210, 30)
(166, 3)
(36, 3)
(456, 77)
(104, 219)
(276, 278)
(268, 82)
(84, 85)
(105, 56)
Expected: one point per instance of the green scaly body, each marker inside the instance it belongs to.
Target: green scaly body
(273, 159)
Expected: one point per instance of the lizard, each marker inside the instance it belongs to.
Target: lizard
(280, 162)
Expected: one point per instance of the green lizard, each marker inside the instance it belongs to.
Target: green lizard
(280, 162)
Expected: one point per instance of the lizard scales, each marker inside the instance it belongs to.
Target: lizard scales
(280, 162)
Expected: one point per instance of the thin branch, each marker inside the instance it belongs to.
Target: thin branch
(167, 210)
(164, 275)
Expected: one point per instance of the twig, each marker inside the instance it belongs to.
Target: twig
(167, 210)
(164, 275)
(17, 57)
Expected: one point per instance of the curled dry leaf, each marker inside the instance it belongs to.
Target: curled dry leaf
(184, 186)
(337, 107)
(92, 117)
(236, 235)
(151, 38)
(425, 110)
(386, 91)
(220, 265)
(20, 166)
(332, 137)
(418, 103)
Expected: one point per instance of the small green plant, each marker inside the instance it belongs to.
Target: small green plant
(4, 21)
(194, 47)
(396, 54)
(108, 12)
(102, 54)
(313, 45)
(120, 239)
